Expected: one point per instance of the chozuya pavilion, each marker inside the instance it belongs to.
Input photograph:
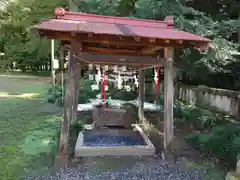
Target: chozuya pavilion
(116, 41)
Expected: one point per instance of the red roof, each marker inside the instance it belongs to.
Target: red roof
(81, 22)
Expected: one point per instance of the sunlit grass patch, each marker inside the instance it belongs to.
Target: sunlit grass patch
(16, 95)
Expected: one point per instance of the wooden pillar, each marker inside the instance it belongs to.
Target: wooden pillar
(141, 96)
(52, 64)
(70, 96)
(61, 63)
(168, 96)
(77, 86)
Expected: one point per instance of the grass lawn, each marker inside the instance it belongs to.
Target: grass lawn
(29, 127)
(29, 74)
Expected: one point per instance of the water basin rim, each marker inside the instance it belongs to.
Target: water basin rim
(134, 126)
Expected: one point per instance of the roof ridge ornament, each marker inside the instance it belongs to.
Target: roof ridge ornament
(60, 12)
(169, 20)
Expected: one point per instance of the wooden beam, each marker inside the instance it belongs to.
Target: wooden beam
(110, 51)
(113, 39)
(149, 50)
(94, 58)
(98, 58)
(168, 96)
(137, 38)
(136, 67)
(141, 96)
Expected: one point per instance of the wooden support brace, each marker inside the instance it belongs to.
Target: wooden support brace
(168, 96)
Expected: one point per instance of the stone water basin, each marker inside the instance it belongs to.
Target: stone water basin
(116, 142)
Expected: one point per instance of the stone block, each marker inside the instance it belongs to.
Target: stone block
(110, 116)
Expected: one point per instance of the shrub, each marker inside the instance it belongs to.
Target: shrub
(204, 122)
(161, 99)
(85, 93)
(196, 117)
(83, 98)
(76, 127)
(124, 95)
(85, 87)
(52, 90)
(150, 98)
(54, 94)
(222, 141)
(51, 99)
(59, 101)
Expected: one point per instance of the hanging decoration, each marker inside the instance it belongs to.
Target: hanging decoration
(115, 69)
(119, 81)
(156, 75)
(98, 75)
(127, 87)
(123, 68)
(90, 69)
(135, 80)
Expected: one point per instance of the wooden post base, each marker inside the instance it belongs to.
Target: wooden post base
(166, 156)
(60, 161)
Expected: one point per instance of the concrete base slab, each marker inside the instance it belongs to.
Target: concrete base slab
(85, 151)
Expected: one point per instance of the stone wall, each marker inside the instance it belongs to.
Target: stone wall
(219, 99)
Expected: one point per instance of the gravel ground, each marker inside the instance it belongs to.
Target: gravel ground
(150, 168)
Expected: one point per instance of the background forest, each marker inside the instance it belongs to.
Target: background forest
(218, 20)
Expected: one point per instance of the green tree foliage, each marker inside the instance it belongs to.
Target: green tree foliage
(216, 19)
(18, 41)
(219, 22)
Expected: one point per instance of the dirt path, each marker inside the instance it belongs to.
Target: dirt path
(127, 168)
